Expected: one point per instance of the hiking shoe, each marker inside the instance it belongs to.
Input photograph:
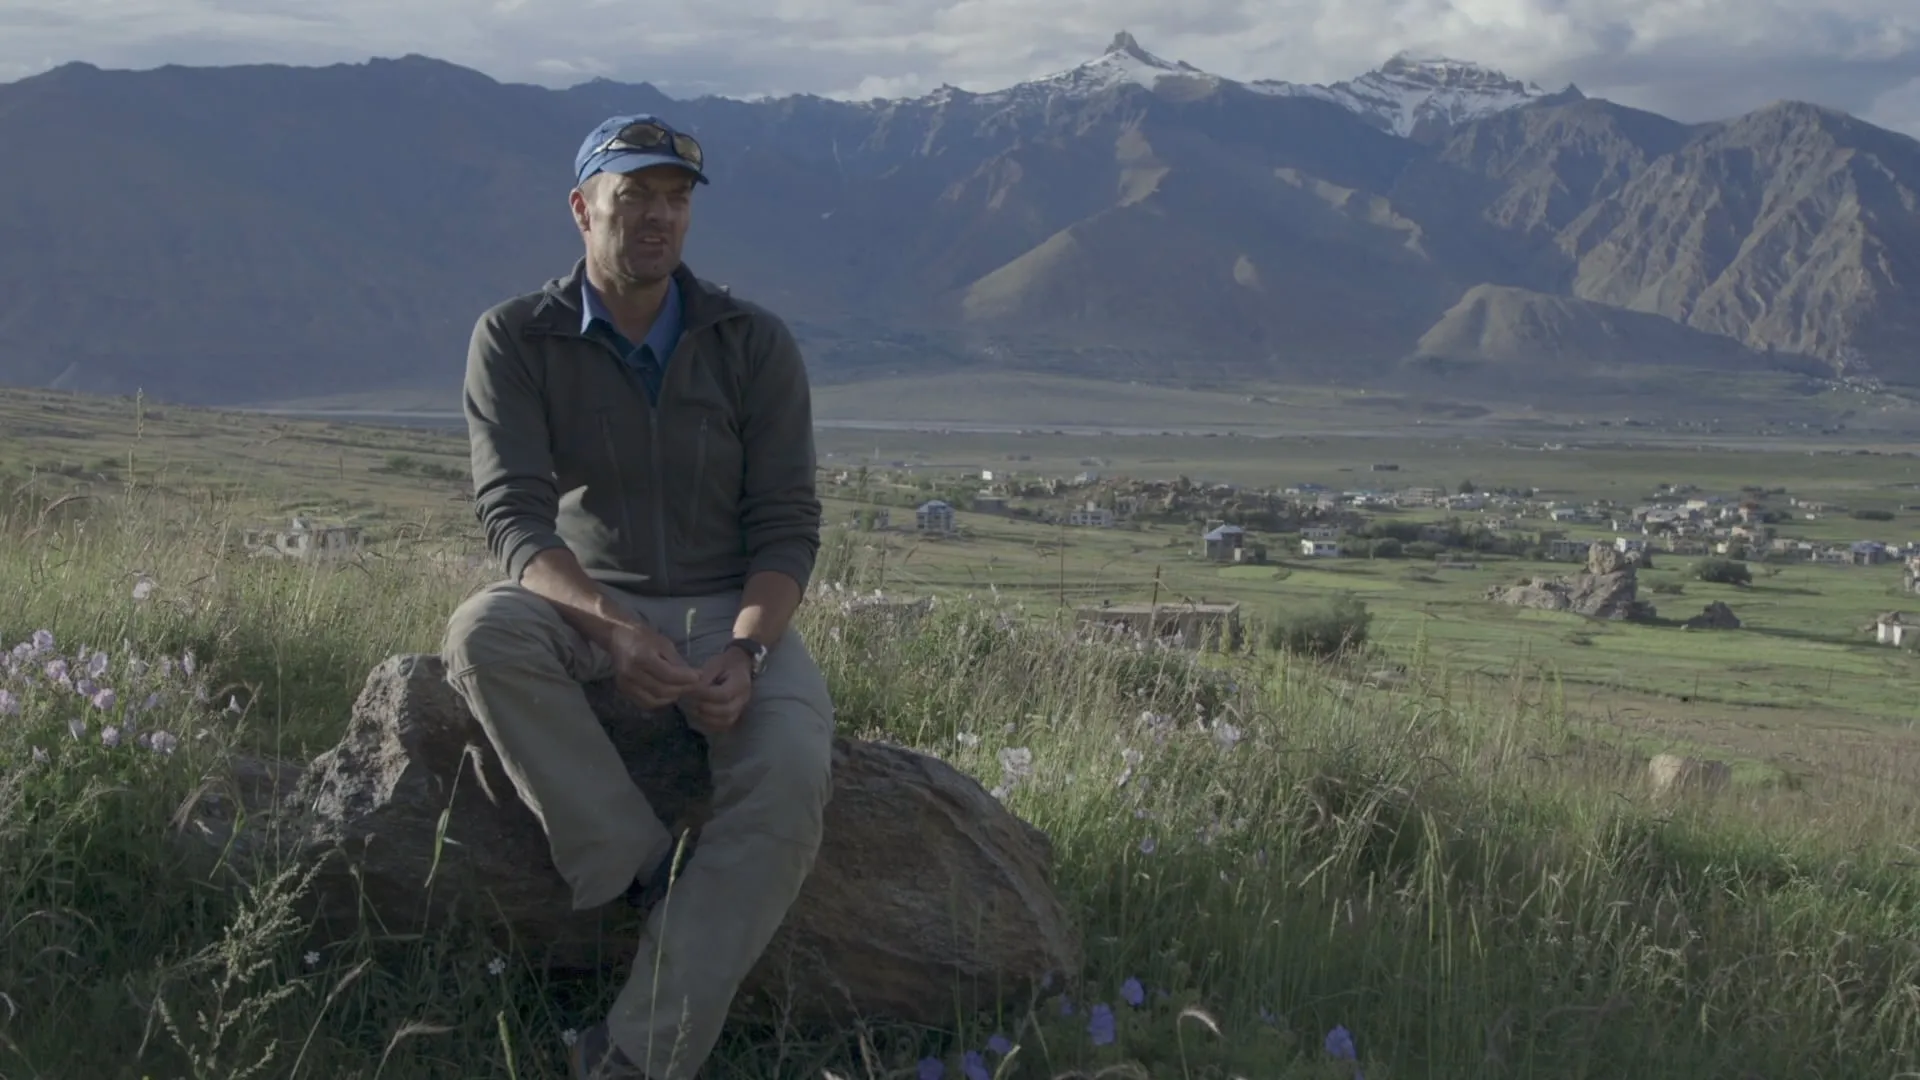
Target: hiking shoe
(593, 1056)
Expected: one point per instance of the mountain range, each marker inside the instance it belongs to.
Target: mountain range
(252, 233)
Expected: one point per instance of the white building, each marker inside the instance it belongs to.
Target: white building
(1091, 515)
(304, 540)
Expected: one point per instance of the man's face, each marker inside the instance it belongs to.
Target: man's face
(635, 223)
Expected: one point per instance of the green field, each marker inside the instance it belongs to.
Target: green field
(1444, 844)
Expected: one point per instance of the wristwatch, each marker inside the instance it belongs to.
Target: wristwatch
(756, 654)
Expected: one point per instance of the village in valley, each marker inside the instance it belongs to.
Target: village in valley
(1465, 528)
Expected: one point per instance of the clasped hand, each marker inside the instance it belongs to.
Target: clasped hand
(649, 670)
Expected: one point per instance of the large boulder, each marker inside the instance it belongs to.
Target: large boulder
(1608, 589)
(928, 895)
(1715, 616)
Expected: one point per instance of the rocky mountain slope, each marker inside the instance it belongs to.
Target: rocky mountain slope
(236, 234)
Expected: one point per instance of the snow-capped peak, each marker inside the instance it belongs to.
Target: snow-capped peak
(1125, 48)
(1411, 93)
(1124, 62)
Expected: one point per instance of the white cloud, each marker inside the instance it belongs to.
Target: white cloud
(1898, 108)
(1692, 59)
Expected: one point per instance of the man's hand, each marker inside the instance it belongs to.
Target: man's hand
(715, 702)
(646, 666)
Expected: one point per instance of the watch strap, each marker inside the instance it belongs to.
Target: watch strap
(756, 652)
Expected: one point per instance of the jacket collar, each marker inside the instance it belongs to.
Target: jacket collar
(558, 310)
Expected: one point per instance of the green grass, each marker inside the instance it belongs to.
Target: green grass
(1459, 872)
(1801, 646)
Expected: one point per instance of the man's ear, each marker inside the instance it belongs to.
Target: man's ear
(577, 201)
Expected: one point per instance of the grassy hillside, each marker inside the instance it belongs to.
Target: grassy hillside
(1445, 847)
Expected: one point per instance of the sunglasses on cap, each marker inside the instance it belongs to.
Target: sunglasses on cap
(650, 137)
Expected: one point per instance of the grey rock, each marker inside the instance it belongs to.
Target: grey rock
(928, 895)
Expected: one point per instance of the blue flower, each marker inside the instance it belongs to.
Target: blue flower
(1066, 1005)
(1340, 1045)
(1000, 1044)
(1132, 993)
(1100, 1025)
(932, 1069)
(975, 1067)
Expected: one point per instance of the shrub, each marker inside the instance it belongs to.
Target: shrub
(1322, 631)
(1723, 572)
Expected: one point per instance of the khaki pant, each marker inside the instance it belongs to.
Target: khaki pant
(520, 668)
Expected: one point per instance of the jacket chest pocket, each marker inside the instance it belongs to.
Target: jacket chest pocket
(709, 504)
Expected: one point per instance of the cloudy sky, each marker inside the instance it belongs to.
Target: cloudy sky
(1691, 59)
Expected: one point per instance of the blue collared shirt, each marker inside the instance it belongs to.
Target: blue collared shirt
(650, 357)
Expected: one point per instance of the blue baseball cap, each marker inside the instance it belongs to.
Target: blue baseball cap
(624, 144)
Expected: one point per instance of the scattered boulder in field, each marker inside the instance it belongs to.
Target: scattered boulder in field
(1717, 616)
(1609, 588)
(928, 895)
(1671, 774)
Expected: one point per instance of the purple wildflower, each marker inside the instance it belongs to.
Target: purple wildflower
(932, 1069)
(1132, 992)
(9, 705)
(187, 663)
(84, 687)
(975, 1067)
(110, 737)
(1269, 1017)
(1066, 1005)
(103, 698)
(1000, 1044)
(1340, 1045)
(162, 742)
(1148, 845)
(1100, 1025)
(143, 588)
(43, 641)
(57, 671)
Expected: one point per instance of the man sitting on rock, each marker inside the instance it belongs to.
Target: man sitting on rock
(643, 465)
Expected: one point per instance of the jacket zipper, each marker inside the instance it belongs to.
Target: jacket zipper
(699, 478)
(659, 503)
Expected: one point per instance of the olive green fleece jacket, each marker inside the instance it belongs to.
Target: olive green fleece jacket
(684, 498)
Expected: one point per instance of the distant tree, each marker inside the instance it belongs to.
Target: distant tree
(1324, 631)
(1723, 572)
